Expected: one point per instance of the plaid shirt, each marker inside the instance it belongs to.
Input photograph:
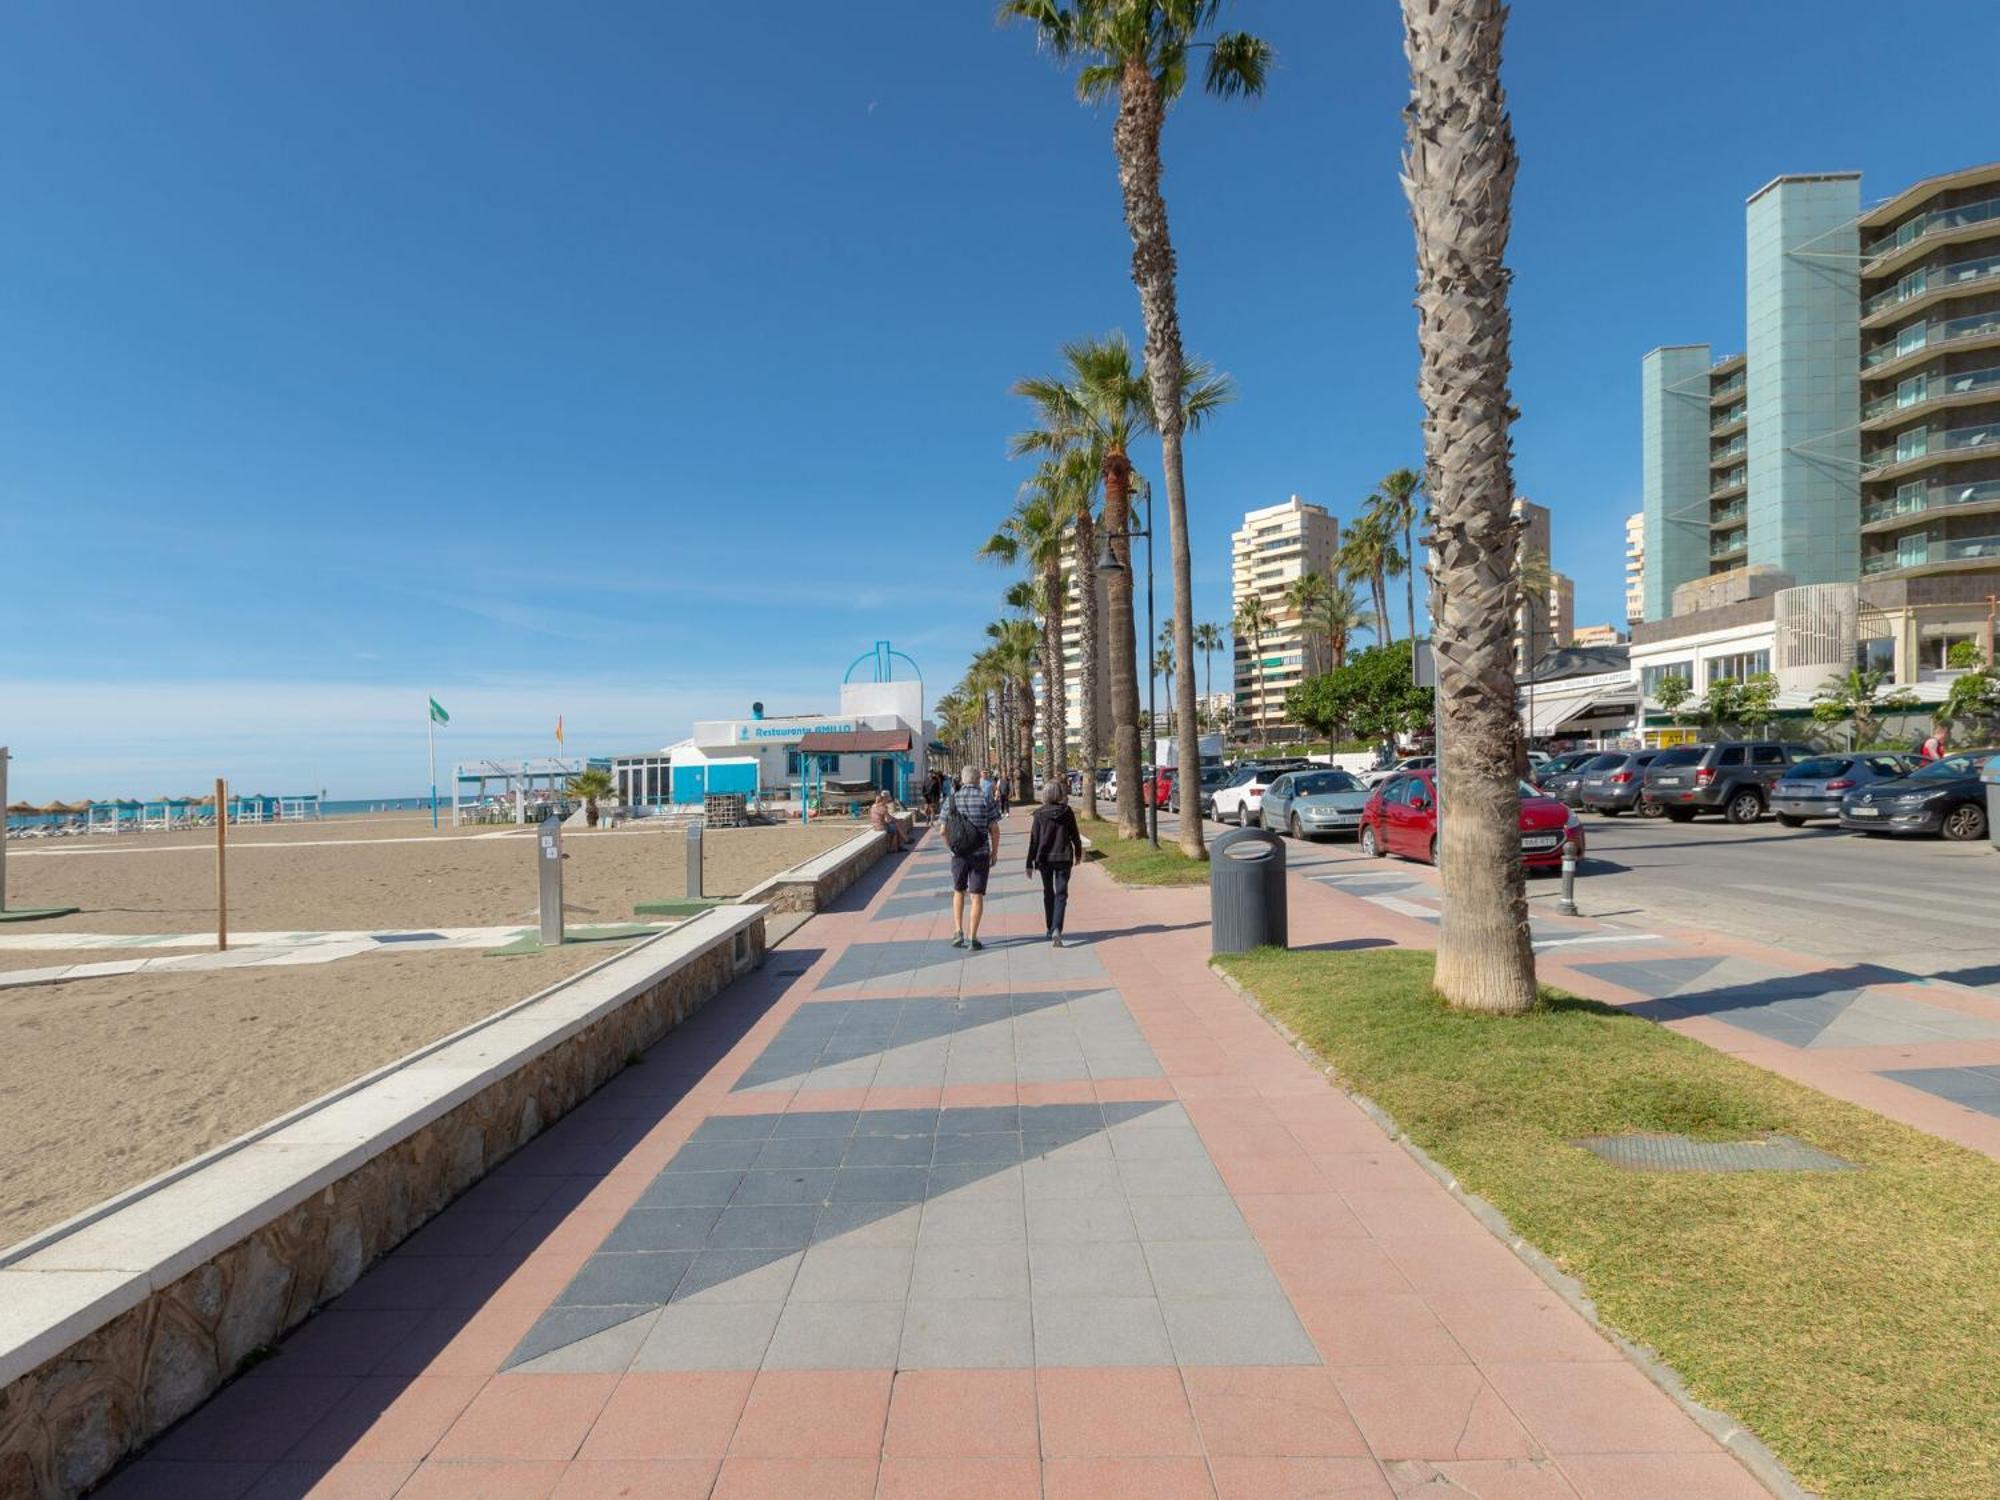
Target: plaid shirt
(975, 806)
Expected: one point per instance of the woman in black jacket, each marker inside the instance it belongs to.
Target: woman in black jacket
(1054, 845)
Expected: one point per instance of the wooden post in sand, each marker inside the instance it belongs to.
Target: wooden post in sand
(221, 882)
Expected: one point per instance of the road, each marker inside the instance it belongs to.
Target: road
(1919, 905)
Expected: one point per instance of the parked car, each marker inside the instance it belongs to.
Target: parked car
(1159, 785)
(1616, 782)
(1945, 796)
(1211, 778)
(1562, 779)
(1731, 777)
(1401, 818)
(1403, 767)
(1305, 803)
(1240, 799)
(1814, 788)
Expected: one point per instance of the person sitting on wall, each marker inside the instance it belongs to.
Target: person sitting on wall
(882, 814)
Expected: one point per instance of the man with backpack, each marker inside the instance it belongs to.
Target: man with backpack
(972, 833)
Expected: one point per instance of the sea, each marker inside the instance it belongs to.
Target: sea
(330, 808)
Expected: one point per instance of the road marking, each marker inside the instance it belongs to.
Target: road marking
(1884, 906)
(1609, 937)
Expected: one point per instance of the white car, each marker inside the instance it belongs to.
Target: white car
(1240, 799)
(1407, 763)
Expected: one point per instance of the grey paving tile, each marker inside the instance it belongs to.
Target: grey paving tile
(869, 1224)
(797, 1186)
(1071, 1179)
(1064, 1147)
(979, 1119)
(733, 1128)
(808, 1122)
(684, 1227)
(998, 1147)
(960, 1334)
(606, 1351)
(1211, 1268)
(1146, 1114)
(896, 1122)
(1101, 1270)
(947, 1272)
(1188, 1217)
(1170, 1179)
(1237, 1331)
(635, 1278)
(1079, 1221)
(560, 1327)
(801, 1151)
(889, 1151)
(739, 1276)
(836, 1336)
(879, 1185)
(709, 1336)
(973, 1220)
(1100, 1331)
(714, 1156)
(671, 1188)
(854, 1273)
(1156, 1145)
(975, 1179)
(779, 1227)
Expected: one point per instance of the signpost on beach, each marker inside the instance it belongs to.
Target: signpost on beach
(221, 882)
(548, 869)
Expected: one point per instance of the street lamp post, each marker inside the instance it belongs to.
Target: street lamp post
(1109, 563)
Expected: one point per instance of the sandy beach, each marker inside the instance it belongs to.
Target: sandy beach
(106, 1082)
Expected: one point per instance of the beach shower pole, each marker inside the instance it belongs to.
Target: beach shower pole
(3, 828)
(221, 881)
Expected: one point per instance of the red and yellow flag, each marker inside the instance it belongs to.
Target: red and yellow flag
(559, 738)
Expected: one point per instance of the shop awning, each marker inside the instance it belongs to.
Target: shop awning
(1552, 714)
(855, 742)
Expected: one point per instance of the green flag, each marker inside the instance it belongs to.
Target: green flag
(438, 715)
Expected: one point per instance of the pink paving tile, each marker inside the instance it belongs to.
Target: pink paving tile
(796, 1479)
(972, 1095)
(638, 1479)
(458, 1343)
(1291, 1412)
(1271, 1174)
(1285, 1214)
(1529, 1324)
(1491, 1479)
(389, 1419)
(1609, 1407)
(815, 1099)
(1456, 1262)
(1429, 1209)
(344, 1481)
(255, 1420)
(527, 1417)
(753, 1102)
(960, 1479)
(1126, 1479)
(163, 1479)
(1131, 1090)
(962, 1413)
(1661, 1476)
(1372, 1168)
(814, 1414)
(1308, 1266)
(497, 1480)
(1377, 1328)
(1299, 1478)
(904, 1097)
(1070, 1091)
(561, 1231)
(1114, 1413)
(669, 1414)
(1434, 1412)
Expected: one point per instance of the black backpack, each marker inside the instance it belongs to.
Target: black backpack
(959, 835)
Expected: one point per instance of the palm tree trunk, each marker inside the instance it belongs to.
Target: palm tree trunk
(1410, 578)
(1022, 772)
(1123, 648)
(1084, 551)
(1458, 171)
(1136, 139)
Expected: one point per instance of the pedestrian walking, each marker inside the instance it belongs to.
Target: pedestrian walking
(1055, 844)
(1004, 795)
(1938, 746)
(972, 833)
(933, 795)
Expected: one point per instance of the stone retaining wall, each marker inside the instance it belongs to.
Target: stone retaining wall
(68, 1420)
(815, 884)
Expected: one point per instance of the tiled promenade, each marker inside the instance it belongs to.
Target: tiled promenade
(896, 1219)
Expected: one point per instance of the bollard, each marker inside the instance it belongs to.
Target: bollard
(694, 862)
(548, 865)
(1567, 905)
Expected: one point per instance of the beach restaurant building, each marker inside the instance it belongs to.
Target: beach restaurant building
(877, 739)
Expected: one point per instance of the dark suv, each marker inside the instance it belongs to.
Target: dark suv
(1732, 777)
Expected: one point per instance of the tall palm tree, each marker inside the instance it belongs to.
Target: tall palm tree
(1016, 651)
(1138, 50)
(1364, 555)
(1253, 618)
(1036, 533)
(1096, 406)
(1163, 666)
(1336, 616)
(1302, 596)
(1459, 163)
(1208, 640)
(1398, 493)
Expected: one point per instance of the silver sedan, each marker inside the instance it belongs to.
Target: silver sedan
(1306, 803)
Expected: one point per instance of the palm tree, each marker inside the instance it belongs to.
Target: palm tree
(1163, 666)
(1207, 640)
(1302, 596)
(1253, 618)
(1016, 650)
(1138, 50)
(1459, 163)
(1337, 615)
(1037, 532)
(1096, 406)
(1397, 501)
(1364, 554)
(590, 784)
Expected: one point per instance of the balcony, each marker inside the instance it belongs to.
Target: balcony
(1924, 445)
(1930, 284)
(1728, 513)
(1959, 552)
(1729, 484)
(1729, 545)
(1922, 499)
(1914, 343)
(1728, 421)
(1930, 392)
(1722, 453)
(1963, 221)
(1730, 387)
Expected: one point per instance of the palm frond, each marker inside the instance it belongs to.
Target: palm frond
(1238, 65)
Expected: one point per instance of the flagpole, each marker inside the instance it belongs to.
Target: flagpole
(430, 734)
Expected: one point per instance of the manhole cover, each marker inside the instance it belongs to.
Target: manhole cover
(1678, 1153)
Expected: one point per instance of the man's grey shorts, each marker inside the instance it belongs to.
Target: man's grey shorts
(969, 872)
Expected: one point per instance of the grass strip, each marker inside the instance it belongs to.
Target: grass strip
(1137, 862)
(1848, 1318)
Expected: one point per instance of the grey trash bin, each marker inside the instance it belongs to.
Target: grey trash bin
(1246, 891)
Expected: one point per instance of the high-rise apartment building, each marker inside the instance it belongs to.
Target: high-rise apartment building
(1695, 420)
(1072, 649)
(1635, 567)
(1274, 548)
(1555, 617)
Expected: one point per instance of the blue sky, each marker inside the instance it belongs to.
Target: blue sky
(583, 359)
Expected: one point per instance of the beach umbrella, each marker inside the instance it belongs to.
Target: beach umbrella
(22, 807)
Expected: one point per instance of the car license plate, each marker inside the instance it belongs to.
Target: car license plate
(1540, 841)
(1668, 781)
(1866, 812)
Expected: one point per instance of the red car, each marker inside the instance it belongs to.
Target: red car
(1159, 787)
(1401, 818)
